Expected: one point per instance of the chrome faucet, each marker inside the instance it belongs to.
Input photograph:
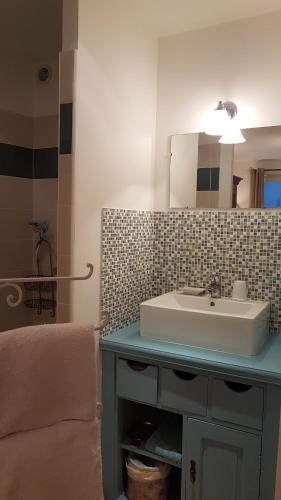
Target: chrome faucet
(214, 287)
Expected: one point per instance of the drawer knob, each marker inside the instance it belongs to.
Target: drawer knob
(237, 387)
(185, 375)
(137, 366)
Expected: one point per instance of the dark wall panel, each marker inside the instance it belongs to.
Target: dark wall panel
(45, 163)
(66, 129)
(28, 163)
(16, 161)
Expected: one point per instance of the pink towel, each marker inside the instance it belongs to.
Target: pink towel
(61, 462)
(49, 415)
(47, 375)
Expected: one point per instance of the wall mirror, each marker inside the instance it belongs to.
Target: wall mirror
(206, 174)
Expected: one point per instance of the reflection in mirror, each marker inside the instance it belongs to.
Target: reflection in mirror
(206, 174)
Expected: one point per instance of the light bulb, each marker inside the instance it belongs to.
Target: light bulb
(217, 122)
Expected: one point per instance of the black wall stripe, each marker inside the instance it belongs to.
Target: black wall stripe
(28, 163)
(45, 165)
(66, 129)
(16, 161)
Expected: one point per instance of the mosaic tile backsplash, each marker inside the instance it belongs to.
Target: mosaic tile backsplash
(127, 264)
(145, 254)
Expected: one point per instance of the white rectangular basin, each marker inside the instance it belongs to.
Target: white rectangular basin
(220, 324)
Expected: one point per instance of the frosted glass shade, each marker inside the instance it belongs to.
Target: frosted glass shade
(217, 122)
(232, 134)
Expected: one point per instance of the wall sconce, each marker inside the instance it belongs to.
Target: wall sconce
(222, 122)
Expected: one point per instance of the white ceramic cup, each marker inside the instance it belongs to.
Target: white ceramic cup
(239, 291)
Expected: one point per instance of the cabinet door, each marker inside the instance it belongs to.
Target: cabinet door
(222, 463)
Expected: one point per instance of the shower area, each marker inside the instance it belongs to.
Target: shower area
(29, 138)
(43, 292)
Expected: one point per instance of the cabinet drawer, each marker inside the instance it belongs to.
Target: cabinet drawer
(137, 381)
(238, 403)
(184, 391)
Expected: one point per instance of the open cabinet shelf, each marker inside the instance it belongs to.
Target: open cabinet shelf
(148, 454)
(137, 440)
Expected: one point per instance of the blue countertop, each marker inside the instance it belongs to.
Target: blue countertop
(265, 367)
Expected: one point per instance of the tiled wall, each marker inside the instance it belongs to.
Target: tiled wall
(16, 244)
(127, 264)
(26, 150)
(28, 191)
(146, 254)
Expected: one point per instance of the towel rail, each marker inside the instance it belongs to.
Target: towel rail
(14, 300)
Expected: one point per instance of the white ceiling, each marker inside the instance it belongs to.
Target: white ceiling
(32, 26)
(167, 17)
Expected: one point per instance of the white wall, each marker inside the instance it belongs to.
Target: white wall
(115, 112)
(183, 171)
(237, 61)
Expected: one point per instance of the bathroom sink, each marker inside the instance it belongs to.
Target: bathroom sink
(220, 324)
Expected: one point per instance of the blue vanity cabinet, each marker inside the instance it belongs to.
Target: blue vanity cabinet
(227, 410)
(137, 381)
(183, 391)
(222, 463)
(239, 403)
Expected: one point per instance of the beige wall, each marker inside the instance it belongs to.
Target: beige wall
(16, 84)
(65, 199)
(208, 155)
(237, 61)
(16, 129)
(70, 25)
(64, 236)
(45, 97)
(20, 91)
(268, 164)
(28, 118)
(15, 244)
(115, 111)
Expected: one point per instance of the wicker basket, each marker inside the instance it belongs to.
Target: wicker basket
(145, 484)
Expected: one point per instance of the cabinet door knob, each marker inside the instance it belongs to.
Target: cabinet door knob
(192, 471)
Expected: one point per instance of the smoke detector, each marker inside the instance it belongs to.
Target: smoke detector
(44, 74)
